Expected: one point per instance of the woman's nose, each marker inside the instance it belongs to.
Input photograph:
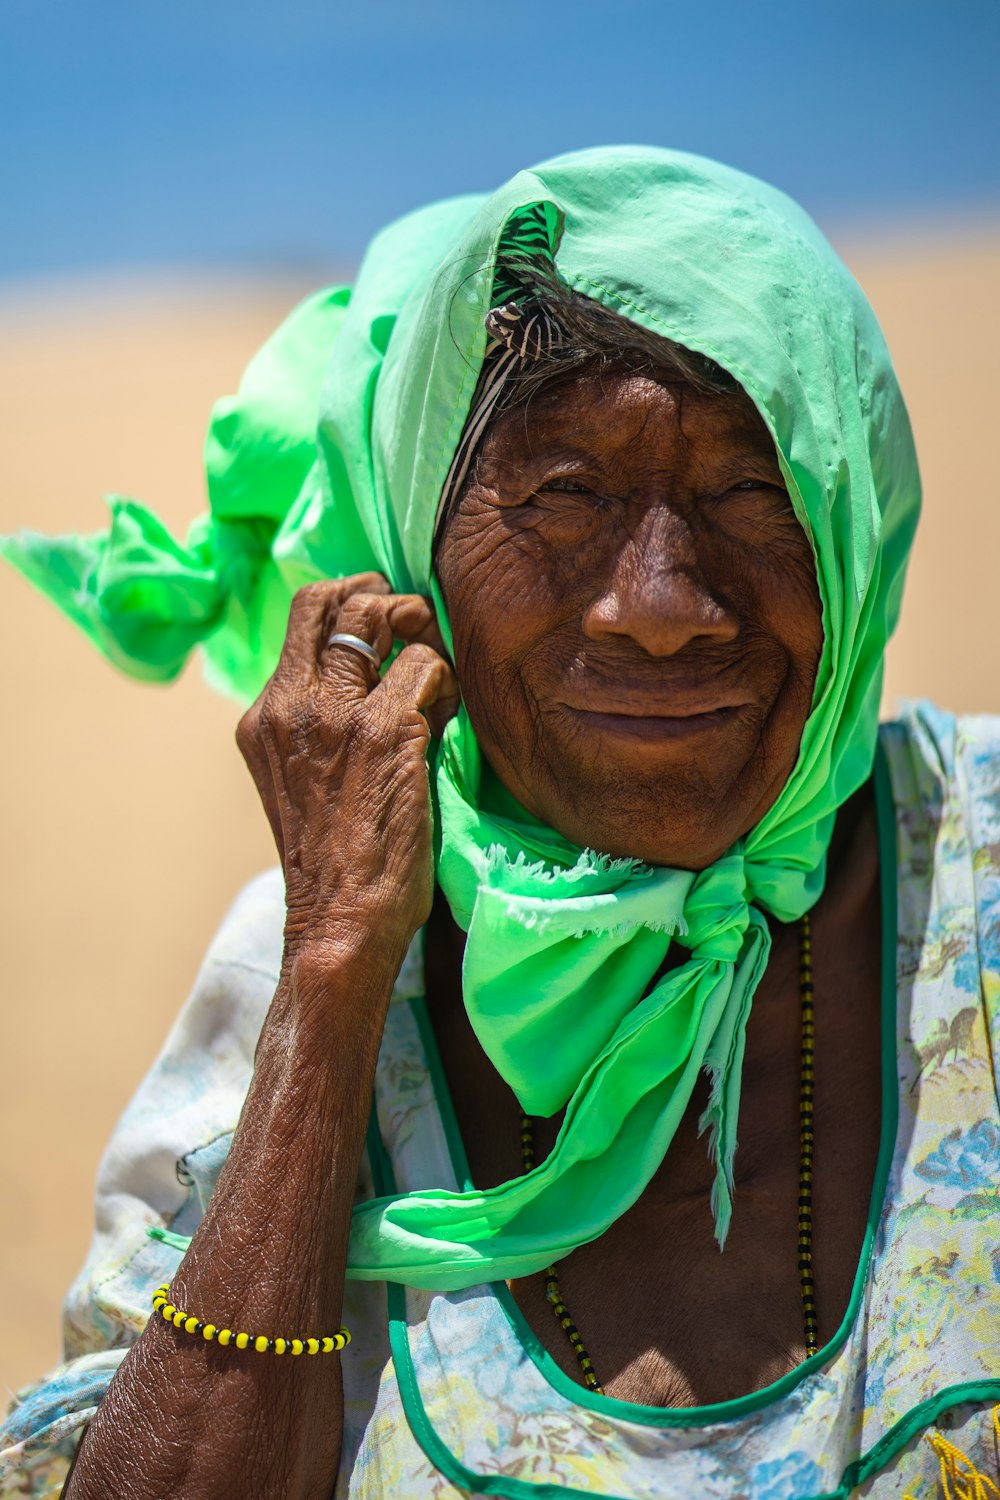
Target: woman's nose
(656, 591)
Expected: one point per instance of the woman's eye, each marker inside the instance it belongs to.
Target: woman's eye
(564, 483)
(563, 486)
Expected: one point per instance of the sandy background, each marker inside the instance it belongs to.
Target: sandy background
(128, 820)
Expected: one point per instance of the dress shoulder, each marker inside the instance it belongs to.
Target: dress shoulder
(945, 773)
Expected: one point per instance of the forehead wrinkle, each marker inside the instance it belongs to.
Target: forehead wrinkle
(626, 421)
(609, 422)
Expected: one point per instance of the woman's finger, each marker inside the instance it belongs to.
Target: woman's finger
(413, 619)
(346, 667)
(311, 608)
(379, 620)
(420, 678)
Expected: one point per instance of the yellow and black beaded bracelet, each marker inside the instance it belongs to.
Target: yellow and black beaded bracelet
(228, 1338)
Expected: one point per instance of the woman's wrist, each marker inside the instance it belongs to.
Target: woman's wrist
(346, 935)
(336, 980)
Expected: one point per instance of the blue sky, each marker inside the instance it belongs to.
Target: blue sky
(282, 135)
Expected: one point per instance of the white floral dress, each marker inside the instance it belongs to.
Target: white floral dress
(449, 1395)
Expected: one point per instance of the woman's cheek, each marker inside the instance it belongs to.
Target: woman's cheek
(471, 561)
(770, 548)
(787, 603)
(534, 559)
(495, 582)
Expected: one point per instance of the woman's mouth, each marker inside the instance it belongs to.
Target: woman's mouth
(642, 724)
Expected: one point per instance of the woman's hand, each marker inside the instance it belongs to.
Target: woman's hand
(338, 756)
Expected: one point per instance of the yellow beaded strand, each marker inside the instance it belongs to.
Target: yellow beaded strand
(229, 1338)
(552, 1293)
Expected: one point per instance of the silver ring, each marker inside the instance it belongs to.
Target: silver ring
(355, 643)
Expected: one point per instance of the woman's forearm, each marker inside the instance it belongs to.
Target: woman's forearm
(184, 1417)
(338, 754)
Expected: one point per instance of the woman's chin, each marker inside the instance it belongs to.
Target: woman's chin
(672, 823)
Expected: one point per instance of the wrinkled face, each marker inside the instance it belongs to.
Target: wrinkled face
(635, 613)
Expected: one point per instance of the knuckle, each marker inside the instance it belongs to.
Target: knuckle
(422, 655)
(368, 732)
(417, 729)
(368, 583)
(363, 603)
(396, 723)
(275, 714)
(311, 593)
(248, 728)
(266, 727)
(354, 586)
(298, 717)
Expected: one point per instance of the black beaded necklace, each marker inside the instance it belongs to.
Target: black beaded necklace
(554, 1295)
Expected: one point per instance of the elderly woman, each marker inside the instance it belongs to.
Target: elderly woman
(604, 522)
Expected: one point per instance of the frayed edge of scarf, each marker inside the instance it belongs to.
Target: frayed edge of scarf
(539, 913)
(494, 859)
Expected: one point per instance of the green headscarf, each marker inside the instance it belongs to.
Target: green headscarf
(562, 943)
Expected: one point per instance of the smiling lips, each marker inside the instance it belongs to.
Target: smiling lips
(631, 722)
